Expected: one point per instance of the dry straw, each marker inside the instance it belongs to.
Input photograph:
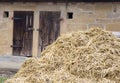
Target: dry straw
(92, 56)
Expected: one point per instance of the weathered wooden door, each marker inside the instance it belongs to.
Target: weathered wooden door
(49, 28)
(22, 33)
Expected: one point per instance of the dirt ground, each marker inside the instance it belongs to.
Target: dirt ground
(9, 65)
(7, 73)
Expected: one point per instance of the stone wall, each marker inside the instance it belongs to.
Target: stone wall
(6, 34)
(85, 15)
(104, 15)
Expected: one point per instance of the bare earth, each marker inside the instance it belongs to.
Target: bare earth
(9, 65)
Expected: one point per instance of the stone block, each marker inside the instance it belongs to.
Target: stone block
(103, 7)
(104, 20)
(96, 25)
(113, 15)
(86, 7)
(113, 27)
(76, 27)
(5, 50)
(116, 7)
(82, 18)
(116, 20)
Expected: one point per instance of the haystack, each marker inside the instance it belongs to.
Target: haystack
(91, 56)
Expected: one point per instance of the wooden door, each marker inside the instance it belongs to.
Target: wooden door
(22, 33)
(49, 28)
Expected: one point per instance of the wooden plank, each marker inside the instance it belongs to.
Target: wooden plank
(49, 28)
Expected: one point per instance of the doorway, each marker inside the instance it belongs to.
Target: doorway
(49, 28)
(22, 33)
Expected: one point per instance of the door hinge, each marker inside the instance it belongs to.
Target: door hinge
(39, 30)
(17, 18)
(15, 46)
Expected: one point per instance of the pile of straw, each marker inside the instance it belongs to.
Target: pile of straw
(92, 56)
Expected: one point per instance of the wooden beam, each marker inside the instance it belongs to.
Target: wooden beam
(59, 1)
